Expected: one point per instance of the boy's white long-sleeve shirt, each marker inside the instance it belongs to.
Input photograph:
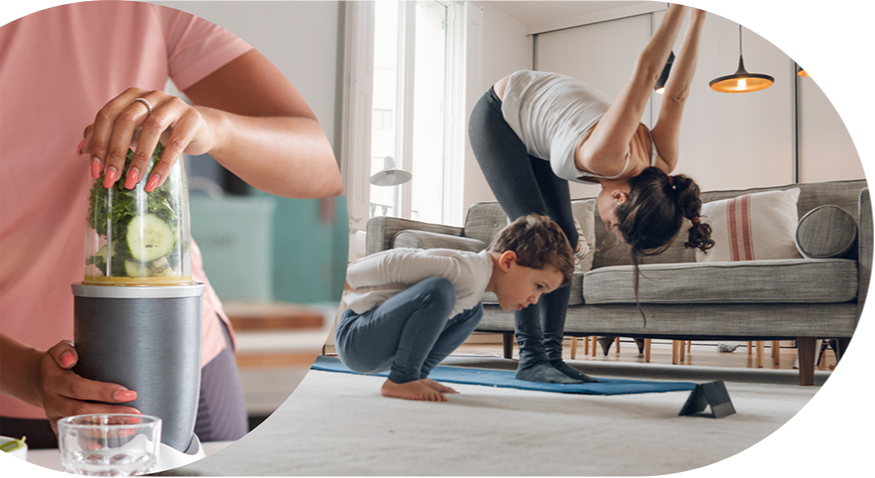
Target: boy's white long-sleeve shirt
(380, 276)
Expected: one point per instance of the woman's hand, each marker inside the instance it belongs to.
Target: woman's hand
(181, 127)
(64, 393)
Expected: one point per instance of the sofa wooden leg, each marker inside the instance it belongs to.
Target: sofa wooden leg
(647, 350)
(682, 351)
(507, 342)
(585, 346)
(805, 350)
(573, 348)
(594, 340)
(776, 352)
(842, 344)
(674, 352)
(760, 349)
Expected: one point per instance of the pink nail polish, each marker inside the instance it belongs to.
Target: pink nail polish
(95, 168)
(125, 395)
(133, 178)
(110, 176)
(79, 148)
(153, 182)
(67, 359)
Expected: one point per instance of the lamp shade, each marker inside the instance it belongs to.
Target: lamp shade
(389, 175)
(741, 81)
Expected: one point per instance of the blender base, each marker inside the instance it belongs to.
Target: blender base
(169, 457)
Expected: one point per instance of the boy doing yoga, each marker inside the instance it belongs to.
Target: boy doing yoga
(410, 308)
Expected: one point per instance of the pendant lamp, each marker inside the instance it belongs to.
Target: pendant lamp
(389, 175)
(663, 78)
(741, 81)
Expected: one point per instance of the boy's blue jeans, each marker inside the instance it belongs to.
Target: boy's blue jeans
(409, 334)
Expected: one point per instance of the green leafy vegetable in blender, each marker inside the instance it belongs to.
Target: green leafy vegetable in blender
(139, 226)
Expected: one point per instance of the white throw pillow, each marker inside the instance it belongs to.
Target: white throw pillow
(584, 221)
(752, 227)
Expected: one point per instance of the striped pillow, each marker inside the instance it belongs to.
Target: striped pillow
(752, 227)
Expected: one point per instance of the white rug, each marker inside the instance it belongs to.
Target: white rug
(338, 424)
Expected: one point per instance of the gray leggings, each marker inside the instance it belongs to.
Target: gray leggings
(409, 334)
(524, 184)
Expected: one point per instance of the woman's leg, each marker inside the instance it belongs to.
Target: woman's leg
(510, 173)
(554, 306)
(399, 334)
(221, 411)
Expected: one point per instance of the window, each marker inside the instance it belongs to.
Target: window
(409, 81)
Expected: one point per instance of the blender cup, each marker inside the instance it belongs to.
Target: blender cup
(137, 312)
(139, 238)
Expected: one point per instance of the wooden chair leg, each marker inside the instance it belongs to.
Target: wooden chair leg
(507, 343)
(776, 352)
(760, 348)
(573, 348)
(647, 350)
(805, 351)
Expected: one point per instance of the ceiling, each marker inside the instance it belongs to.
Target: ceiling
(536, 11)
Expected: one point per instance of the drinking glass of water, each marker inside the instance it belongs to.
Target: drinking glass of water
(109, 444)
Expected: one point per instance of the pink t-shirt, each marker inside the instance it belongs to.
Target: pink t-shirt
(58, 67)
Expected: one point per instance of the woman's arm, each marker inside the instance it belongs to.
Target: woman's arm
(266, 133)
(247, 115)
(44, 379)
(667, 130)
(604, 152)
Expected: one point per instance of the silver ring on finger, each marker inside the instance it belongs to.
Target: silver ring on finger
(143, 100)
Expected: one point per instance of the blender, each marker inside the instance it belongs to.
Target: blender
(137, 312)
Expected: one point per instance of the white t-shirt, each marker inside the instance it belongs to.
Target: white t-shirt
(380, 276)
(551, 113)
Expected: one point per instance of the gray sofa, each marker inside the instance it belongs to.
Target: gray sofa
(788, 299)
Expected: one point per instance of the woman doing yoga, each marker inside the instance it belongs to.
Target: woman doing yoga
(532, 132)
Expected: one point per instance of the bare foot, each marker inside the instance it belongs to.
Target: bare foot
(415, 390)
(437, 386)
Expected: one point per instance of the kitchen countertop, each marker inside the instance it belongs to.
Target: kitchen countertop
(50, 458)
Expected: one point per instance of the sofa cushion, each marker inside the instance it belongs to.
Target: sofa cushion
(775, 281)
(752, 226)
(827, 231)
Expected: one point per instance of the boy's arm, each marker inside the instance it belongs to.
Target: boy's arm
(399, 266)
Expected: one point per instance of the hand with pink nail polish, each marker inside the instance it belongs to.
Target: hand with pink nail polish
(65, 393)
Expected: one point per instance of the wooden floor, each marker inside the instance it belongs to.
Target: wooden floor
(703, 354)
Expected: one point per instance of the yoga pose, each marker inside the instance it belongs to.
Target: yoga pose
(532, 132)
(410, 308)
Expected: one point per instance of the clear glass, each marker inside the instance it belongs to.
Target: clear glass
(138, 238)
(109, 444)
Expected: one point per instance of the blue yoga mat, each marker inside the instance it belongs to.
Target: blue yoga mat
(505, 378)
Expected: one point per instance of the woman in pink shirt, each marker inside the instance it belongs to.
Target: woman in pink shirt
(83, 67)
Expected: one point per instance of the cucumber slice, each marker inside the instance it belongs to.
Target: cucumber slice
(136, 269)
(149, 238)
(161, 267)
